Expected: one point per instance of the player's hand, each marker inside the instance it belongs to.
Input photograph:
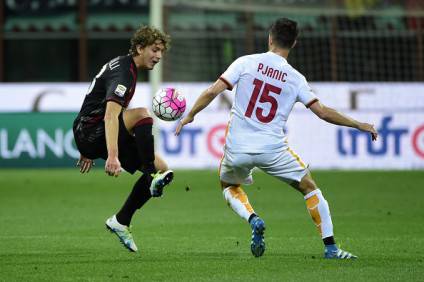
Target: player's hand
(85, 164)
(184, 121)
(113, 166)
(369, 128)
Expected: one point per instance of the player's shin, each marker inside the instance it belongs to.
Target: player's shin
(139, 195)
(320, 212)
(145, 144)
(238, 201)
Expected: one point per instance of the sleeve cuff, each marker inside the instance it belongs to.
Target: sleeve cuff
(311, 103)
(229, 85)
(115, 100)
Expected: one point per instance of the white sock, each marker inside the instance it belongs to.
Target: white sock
(320, 212)
(238, 201)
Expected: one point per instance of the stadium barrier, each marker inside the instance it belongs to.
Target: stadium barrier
(68, 97)
(44, 139)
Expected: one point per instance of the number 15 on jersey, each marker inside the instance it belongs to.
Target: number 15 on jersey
(264, 97)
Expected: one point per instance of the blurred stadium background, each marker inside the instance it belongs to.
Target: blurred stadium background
(363, 57)
(342, 40)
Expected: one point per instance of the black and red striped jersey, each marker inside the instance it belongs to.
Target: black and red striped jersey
(115, 82)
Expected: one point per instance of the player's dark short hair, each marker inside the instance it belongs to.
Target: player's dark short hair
(145, 36)
(284, 32)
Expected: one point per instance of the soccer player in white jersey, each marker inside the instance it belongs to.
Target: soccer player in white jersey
(267, 88)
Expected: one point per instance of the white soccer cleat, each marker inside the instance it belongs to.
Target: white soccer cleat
(338, 254)
(159, 181)
(123, 232)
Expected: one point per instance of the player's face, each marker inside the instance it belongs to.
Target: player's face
(151, 55)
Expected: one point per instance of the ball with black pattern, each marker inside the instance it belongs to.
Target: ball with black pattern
(168, 104)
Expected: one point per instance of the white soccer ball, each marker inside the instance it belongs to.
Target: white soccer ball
(168, 104)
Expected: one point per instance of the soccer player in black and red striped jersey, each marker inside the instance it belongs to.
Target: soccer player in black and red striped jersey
(105, 128)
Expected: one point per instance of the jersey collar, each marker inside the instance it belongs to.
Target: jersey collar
(277, 56)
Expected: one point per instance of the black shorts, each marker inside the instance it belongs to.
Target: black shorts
(91, 142)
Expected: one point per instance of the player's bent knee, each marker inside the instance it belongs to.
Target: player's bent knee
(307, 184)
(137, 114)
(135, 117)
(143, 113)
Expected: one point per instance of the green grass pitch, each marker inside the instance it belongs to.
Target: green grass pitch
(52, 228)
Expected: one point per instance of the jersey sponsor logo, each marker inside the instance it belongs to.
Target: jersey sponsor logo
(120, 90)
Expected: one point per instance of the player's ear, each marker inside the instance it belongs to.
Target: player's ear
(139, 49)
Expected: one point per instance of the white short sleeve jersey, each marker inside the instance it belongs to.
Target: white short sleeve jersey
(267, 89)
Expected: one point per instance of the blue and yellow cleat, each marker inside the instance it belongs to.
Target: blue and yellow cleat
(333, 252)
(257, 245)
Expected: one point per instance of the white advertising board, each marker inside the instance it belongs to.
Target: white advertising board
(68, 97)
(59, 97)
(400, 143)
(396, 109)
(324, 146)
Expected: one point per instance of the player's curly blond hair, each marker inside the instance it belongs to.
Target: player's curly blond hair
(145, 36)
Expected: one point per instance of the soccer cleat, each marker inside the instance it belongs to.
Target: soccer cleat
(257, 245)
(160, 180)
(335, 253)
(123, 232)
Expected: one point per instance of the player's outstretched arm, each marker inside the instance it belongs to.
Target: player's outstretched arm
(332, 116)
(202, 102)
